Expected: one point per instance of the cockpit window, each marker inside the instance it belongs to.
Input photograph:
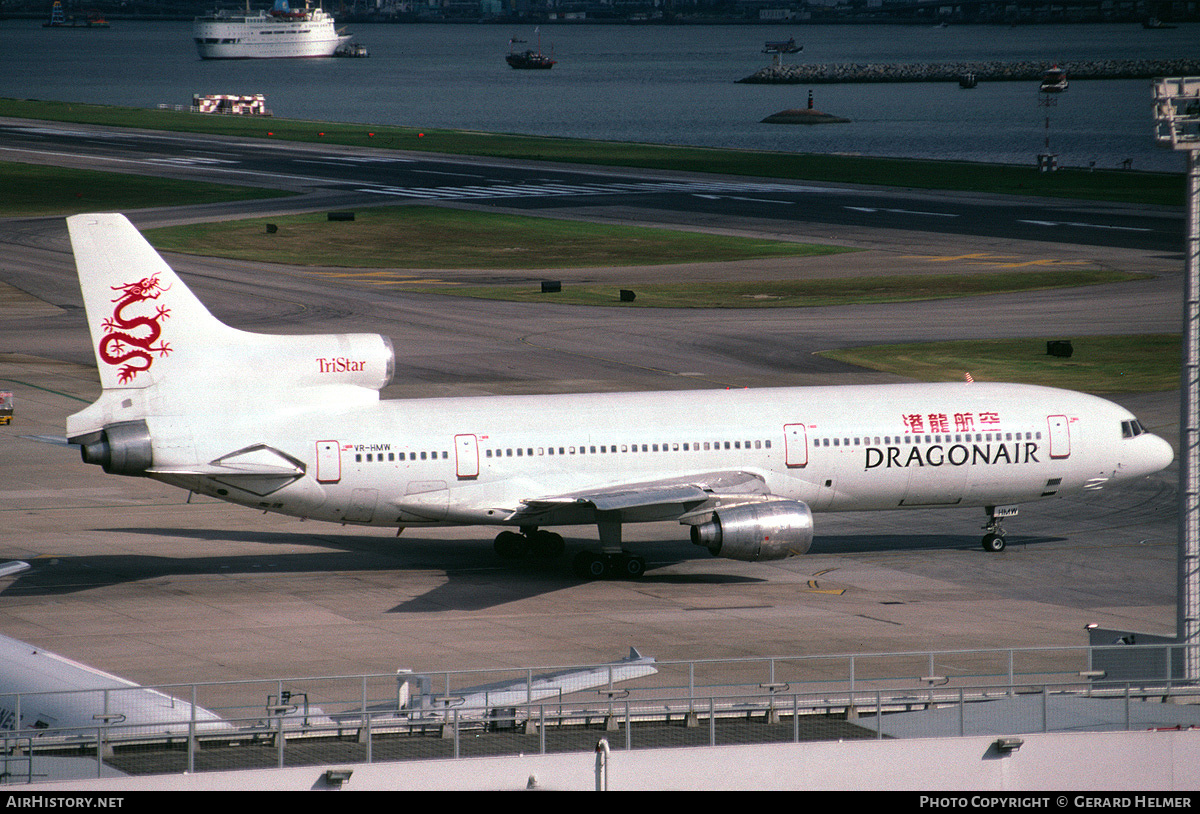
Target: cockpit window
(1131, 428)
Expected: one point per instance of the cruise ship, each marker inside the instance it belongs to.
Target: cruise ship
(279, 33)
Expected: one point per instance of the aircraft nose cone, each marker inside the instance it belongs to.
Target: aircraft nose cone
(1158, 455)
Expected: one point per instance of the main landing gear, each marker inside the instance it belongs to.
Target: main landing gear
(545, 545)
(596, 565)
(610, 562)
(993, 541)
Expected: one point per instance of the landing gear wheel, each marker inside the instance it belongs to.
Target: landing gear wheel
(511, 546)
(993, 541)
(631, 566)
(546, 544)
(590, 565)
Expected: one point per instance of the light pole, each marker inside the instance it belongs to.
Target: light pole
(1177, 125)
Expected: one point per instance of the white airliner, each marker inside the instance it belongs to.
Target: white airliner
(294, 424)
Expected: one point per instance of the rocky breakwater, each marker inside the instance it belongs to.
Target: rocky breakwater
(984, 71)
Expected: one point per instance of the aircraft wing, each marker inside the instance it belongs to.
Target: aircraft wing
(687, 492)
(13, 567)
(416, 698)
(554, 685)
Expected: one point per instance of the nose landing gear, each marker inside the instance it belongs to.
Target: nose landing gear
(993, 541)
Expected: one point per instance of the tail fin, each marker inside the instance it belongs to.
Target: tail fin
(143, 318)
(160, 352)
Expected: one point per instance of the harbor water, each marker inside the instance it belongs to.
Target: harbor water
(657, 84)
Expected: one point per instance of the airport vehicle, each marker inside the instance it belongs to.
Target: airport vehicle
(295, 425)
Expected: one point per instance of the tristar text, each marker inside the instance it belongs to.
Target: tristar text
(340, 364)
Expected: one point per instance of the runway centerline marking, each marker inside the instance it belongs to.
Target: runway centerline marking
(1085, 225)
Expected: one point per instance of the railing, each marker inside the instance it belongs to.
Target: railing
(354, 719)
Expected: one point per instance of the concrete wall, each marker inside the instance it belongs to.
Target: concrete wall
(1117, 761)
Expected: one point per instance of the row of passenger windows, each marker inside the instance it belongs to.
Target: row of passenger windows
(379, 457)
(603, 449)
(590, 449)
(698, 446)
(958, 438)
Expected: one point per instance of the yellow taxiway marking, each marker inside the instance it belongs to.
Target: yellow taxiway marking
(1008, 261)
(815, 588)
(947, 258)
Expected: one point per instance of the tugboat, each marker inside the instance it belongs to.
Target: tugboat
(528, 59)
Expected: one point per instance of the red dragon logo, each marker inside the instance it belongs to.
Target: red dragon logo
(121, 345)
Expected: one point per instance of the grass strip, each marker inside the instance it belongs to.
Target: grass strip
(1122, 186)
(425, 237)
(799, 293)
(1098, 364)
(38, 190)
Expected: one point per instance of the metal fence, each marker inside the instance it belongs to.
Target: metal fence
(402, 716)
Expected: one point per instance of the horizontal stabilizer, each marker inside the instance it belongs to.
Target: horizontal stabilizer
(56, 440)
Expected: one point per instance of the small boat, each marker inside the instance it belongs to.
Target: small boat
(783, 47)
(967, 80)
(528, 59)
(1054, 81)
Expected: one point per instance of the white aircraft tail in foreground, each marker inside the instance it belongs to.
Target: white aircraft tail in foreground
(294, 424)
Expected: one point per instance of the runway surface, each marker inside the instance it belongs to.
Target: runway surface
(130, 577)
